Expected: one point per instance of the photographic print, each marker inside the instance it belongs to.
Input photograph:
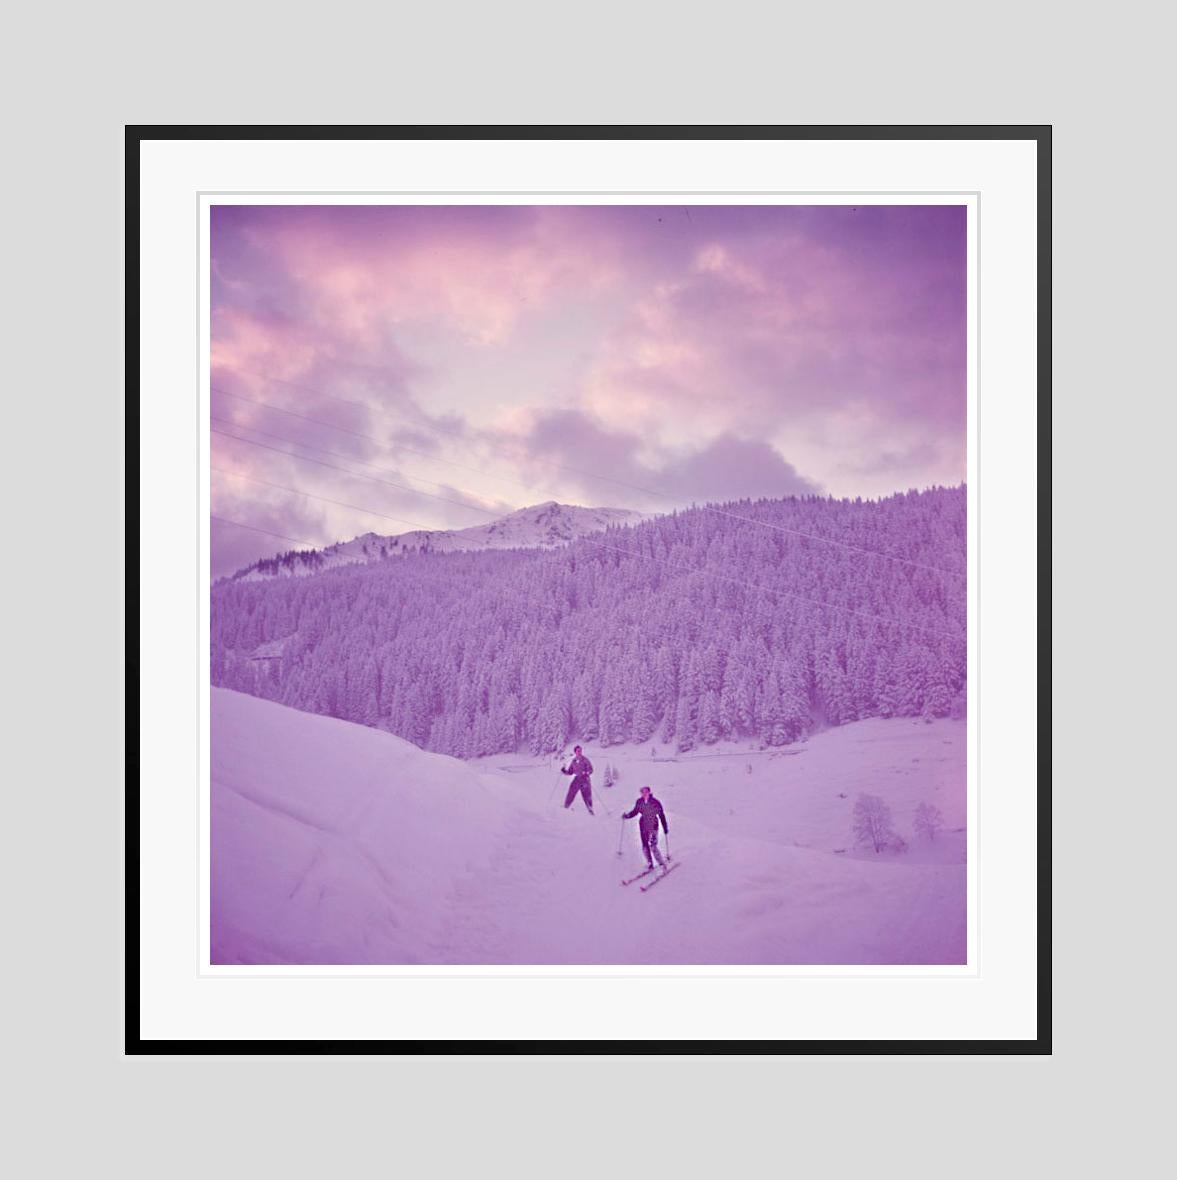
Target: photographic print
(588, 584)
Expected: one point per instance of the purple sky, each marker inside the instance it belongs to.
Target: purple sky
(497, 356)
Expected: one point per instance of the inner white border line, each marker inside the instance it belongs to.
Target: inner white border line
(748, 192)
(206, 969)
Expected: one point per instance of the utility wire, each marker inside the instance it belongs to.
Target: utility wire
(338, 503)
(601, 545)
(432, 426)
(629, 553)
(356, 474)
(253, 528)
(563, 467)
(768, 589)
(349, 459)
(396, 446)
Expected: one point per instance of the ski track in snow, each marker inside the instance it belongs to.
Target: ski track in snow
(333, 843)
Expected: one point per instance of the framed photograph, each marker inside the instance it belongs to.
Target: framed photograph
(590, 604)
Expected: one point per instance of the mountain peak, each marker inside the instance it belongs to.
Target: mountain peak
(537, 526)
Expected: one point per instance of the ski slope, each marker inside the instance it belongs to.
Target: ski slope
(335, 843)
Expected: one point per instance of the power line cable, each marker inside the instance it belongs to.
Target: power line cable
(628, 552)
(348, 458)
(396, 446)
(310, 496)
(769, 589)
(253, 528)
(355, 474)
(432, 426)
(563, 467)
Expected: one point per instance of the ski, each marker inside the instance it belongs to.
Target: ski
(669, 869)
(631, 880)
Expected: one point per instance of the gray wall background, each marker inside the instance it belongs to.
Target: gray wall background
(74, 79)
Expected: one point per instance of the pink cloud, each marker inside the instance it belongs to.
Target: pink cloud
(757, 331)
(361, 286)
(705, 351)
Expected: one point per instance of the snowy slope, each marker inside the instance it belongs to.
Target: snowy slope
(541, 526)
(335, 843)
(331, 842)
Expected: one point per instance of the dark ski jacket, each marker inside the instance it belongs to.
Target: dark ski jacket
(579, 766)
(651, 812)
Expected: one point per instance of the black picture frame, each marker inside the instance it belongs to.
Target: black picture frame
(134, 135)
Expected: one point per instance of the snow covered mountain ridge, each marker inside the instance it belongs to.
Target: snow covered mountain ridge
(539, 526)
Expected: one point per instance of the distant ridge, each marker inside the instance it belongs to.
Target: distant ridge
(539, 526)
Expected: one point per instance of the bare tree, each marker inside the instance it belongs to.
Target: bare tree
(928, 820)
(872, 822)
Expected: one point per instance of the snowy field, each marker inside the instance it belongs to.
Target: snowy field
(335, 843)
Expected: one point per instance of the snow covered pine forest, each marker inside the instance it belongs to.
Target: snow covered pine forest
(763, 665)
(685, 629)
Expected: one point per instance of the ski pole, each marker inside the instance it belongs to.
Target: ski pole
(620, 837)
(555, 781)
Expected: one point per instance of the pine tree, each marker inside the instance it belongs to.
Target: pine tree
(481, 737)
(709, 718)
(886, 692)
(911, 682)
(584, 708)
(727, 707)
(711, 669)
(553, 733)
(684, 724)
(645, 716)
(770, 710)
(506, 737)
(794, 706)
(937, 701)
(745, 708)
(668, 723)
(613, 720)
(369, 712)
(666, 683)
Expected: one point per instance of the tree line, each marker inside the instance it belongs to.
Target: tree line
(707, 624)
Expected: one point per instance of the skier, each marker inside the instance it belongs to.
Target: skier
(581, 768)
(651, 812)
